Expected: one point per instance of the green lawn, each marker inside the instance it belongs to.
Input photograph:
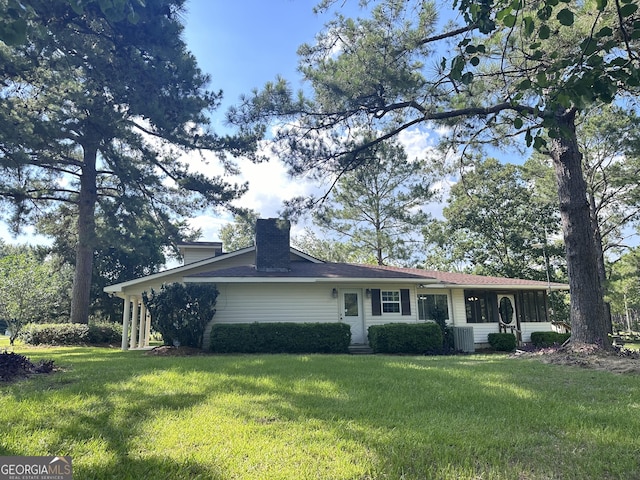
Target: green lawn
(126, 415)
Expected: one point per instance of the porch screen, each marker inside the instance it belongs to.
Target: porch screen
(481, 307)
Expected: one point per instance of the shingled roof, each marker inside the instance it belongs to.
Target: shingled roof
(350, 271)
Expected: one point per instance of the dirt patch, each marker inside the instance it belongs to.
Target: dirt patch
(169, 351)
(620, 360)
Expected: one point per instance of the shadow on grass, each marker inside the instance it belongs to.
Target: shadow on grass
(421, 417)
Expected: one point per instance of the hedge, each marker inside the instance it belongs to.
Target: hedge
(280, 338)
(502, 342)
(548, 339)
(417, 338)
(70, 334)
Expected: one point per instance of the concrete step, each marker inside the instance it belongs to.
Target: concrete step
(360, 350)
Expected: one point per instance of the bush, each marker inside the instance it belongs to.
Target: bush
(281, 338)
(70, 334)
(181, 312)
(548, 339)
(502, 342)
(104, 333)
(55, 334)
(418, 338)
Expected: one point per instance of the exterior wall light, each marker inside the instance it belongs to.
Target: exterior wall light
(334, 293)
(367, 292)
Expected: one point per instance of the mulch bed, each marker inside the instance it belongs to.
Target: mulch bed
(618, 360)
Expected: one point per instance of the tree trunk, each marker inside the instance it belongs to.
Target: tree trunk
(588, 324)
(81, 294)
(602, 270)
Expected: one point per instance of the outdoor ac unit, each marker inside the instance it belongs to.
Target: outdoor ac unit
(463, 339)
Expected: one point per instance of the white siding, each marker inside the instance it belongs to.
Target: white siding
(529, 327)
(459, 314)
(370, 319)
(272, 302)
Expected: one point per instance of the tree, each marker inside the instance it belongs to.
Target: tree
(496, 223)
(512, 70)
(241, 233)
(98, 106)
(29, 290)
(624, 290)
(331, 250)
(129, 245)
(377, 207)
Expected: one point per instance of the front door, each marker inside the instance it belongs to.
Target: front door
(508, 318)
(351, 314)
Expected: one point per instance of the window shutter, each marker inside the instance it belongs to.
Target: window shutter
(405, 302)
(376, 305)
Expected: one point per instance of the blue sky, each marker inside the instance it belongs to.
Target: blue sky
(242, 45)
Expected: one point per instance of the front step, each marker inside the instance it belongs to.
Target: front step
(360, 349)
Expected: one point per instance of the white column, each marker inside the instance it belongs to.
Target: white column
(125, 322)
(135, 313)
(147, 333)
(143, 325)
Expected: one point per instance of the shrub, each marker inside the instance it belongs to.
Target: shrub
(181, 312)
(281, 338)
(104, 332)
(502, 342)
(55, 334)
(418, 338)
(548, 339)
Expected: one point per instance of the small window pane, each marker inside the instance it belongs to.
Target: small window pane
(351, 304)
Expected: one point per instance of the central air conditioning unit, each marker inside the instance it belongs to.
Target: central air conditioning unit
(463, 339)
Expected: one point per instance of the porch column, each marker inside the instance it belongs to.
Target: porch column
(147, 333)
(135, 312)
(143, 326)
(125, 322)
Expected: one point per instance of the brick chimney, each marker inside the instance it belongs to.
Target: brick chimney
(272, 245)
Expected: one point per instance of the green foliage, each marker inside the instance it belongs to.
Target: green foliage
(415, 338)
(329, 250)
(71, 334)
(494, 219)
(55, 334)
(502, 342)
(241, 233)
(181, 312)
(280, 338)
(31, 289)
(110, 106)
(378, 206)
(548, 339)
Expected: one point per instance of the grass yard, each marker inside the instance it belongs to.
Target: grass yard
(127, 415)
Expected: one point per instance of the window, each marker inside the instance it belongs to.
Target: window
(433, 306)
(390, 301)
(481, 307)
(533, 306)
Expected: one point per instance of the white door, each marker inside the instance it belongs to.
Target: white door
(508, 318)
(351, 314)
